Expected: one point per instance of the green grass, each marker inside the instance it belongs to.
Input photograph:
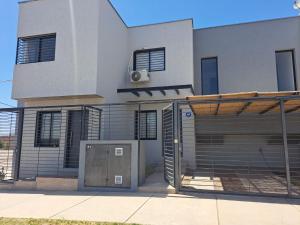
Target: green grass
(5, 221)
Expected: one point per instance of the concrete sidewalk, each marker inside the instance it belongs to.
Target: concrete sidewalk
(153, 209)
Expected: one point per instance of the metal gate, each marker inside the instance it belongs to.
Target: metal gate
(11, 123)
(252, 151)
(168, 144)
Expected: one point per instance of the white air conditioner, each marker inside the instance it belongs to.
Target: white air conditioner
(139, 76)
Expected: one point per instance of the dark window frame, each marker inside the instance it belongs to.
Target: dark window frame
(149, 52)
(52, 143)
(294, 66)
(136, 128)
(202, 83)
(40, 37)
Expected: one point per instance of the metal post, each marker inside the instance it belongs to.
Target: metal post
(286, 150)
(177, 174)
(82, 126)
(139, 143)
(19, 144)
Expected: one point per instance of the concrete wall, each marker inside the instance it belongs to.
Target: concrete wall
(93, 50)
(188, 144)
(246, 53)
(177, 38)
(74, 71)
(112, 53)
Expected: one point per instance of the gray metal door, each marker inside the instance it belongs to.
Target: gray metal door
(168, 144)
(96, 164)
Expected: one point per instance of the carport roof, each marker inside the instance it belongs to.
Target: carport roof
(244, 102)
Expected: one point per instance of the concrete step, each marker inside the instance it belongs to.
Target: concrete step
(157, 189)
(155, 183)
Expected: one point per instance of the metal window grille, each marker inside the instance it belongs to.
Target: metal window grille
(48, 129)
(151, 60)
(36, 49)
(148, 125)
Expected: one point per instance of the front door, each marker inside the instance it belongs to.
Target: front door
(73, 138)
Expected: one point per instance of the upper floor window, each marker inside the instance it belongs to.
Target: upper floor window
(148, 125)
(209, 74)
(151, 59)
(48, 129)
(36, 49)
(285, 65)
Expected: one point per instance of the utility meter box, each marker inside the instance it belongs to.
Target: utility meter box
(109, 165)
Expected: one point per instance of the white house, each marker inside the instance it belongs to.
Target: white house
(74, 53)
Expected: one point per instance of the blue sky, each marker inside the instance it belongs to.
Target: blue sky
(206, 13)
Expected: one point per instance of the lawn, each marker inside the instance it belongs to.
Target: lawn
(4, 221)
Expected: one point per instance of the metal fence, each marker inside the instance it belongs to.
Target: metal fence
(45, 141)
(253, 151)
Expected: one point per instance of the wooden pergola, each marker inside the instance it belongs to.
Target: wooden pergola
(245, 102)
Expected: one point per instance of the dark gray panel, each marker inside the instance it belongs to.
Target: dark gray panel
(96, 165)
(285, 70)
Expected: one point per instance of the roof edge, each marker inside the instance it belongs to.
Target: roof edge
(166, 22)
(249, 23)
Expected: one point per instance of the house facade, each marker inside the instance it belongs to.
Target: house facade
(74, 53)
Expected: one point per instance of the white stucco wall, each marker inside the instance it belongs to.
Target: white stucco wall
(93, 50)
(112, 53)
(74, 71)
(177, 38)
(246, 53)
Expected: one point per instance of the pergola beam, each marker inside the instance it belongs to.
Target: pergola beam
(149, 93)
(293, 109)
(218, 106)
(276, 105)
(136, 93)
(270, 108)
(163, 92)
(244, 108)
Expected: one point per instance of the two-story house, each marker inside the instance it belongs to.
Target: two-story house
(75, 53)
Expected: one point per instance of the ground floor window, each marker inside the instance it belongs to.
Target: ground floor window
(148, 125)
(48, 129)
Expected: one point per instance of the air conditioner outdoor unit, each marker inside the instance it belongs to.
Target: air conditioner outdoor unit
(139, 76)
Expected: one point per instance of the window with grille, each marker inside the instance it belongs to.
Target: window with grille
(151, 60)
(148, 125)
(48, 129)
(36, 49)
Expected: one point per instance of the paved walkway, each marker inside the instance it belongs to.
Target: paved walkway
(151, 209)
